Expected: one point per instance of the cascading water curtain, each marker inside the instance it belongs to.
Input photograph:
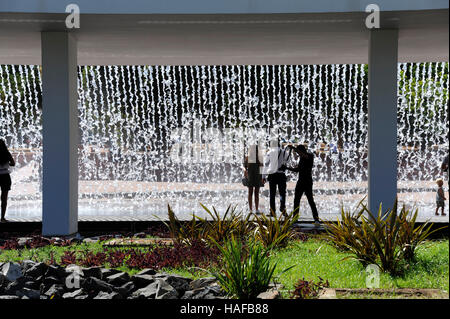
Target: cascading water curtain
(423, 131)
(21, 129)
(177, 134)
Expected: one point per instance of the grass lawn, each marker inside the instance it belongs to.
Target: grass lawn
(312, 259)
(316, 258)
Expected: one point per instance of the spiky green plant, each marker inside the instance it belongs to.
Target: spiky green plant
(347, 234)
(274, 231)
(384, 231)
(222, 227)
(411, 235)
(386, 239)
(247, 269)
(193, 230)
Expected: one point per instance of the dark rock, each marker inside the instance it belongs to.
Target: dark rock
(39, 279)
(29, 293)
(118, 279)
(148, 292)
(12, 271)
(32, 284)
(38, 269)
(73, 294)
(55, 271)
(106, 272)
(165, 290)
(105, 295)
(147, 271)
(93, 284)
(12, 287)
(188, 294)
(50, 281)
(142, 281)
(95, 272)
(55, 292)
(181, 284)
(159, 289)
(208, 292)
(126, 289)
(27, 264)
(202, 283)
(3, 282)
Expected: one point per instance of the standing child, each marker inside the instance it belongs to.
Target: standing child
(440, 197)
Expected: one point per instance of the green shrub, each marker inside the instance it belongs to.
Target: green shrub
(220, 228)
(274, 231)
(412, 236)
(384, 231)
(386, 240)
(246, 271)
(192, 231)
(348, 235)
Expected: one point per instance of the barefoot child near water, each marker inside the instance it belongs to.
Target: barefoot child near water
(440, 197)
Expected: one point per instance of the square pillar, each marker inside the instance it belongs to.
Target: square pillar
(60, 134)
(382, 109)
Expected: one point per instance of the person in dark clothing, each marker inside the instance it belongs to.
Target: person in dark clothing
(305, 182)
(6, 160)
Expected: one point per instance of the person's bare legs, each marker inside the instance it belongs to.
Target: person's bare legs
(250, 192)
(257, 199)
(437, 211)
(442, 212)
(4, 199)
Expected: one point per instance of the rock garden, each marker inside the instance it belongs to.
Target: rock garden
(233, 256)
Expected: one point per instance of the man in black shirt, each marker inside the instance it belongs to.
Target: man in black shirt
(305, 182)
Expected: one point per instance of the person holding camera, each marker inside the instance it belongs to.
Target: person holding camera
(305, 181)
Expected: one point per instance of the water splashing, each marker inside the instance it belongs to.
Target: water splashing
(152, 135)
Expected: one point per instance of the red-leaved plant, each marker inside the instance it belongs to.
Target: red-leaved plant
(304, 289)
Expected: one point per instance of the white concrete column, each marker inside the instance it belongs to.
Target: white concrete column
(60, 134)
(382, 105)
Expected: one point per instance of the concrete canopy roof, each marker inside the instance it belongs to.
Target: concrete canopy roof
(250, 32)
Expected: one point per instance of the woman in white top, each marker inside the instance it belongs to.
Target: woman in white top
(6, 160)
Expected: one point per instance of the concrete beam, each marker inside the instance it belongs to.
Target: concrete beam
(60, 134)
(382, 107)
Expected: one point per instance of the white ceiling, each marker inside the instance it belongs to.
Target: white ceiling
(307, 38)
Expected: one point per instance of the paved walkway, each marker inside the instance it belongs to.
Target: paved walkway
(142, 201)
